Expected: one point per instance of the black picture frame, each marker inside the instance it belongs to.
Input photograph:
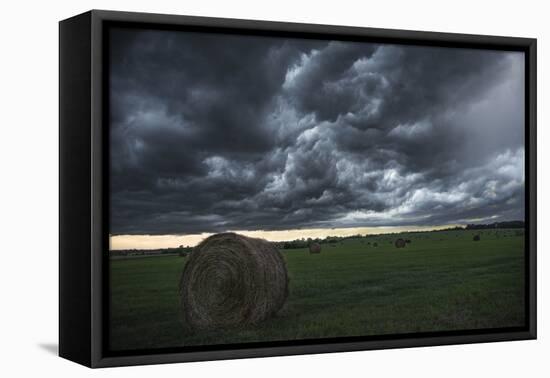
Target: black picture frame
(83, 181)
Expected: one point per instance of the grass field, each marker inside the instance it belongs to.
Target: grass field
(440, 281)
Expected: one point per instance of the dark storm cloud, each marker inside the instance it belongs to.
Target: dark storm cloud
(211, 132)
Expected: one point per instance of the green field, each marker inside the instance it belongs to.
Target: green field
(440, 281)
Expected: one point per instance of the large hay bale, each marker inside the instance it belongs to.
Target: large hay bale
(400, 243)
(314, 248)
(477, 238)
(230, 279)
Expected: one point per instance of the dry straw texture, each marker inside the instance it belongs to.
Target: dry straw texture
(400, 243)
(232, 280)
(314, 248)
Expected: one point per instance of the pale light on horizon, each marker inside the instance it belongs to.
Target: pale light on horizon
(121, 242)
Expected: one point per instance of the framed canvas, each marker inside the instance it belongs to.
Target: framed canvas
(234, 188)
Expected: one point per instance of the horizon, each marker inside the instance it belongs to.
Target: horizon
(151, 242)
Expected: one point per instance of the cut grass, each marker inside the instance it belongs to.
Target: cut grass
(442, 281)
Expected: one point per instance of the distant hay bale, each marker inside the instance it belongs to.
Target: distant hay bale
(400, 243)
(375, 244)
(477, 238)
(408, 241)
(230, 280)
(314, 248)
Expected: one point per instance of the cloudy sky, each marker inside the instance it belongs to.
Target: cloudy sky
(215, 132)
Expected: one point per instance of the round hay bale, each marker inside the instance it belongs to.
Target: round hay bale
(400, 243)
(230, 280)
(477, 238)
(375, 244)
(314, 248)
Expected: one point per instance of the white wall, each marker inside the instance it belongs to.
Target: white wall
(28, 158)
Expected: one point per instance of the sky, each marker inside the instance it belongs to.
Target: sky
(213, 132)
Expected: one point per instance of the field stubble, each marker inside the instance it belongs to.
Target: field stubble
(441, 281)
